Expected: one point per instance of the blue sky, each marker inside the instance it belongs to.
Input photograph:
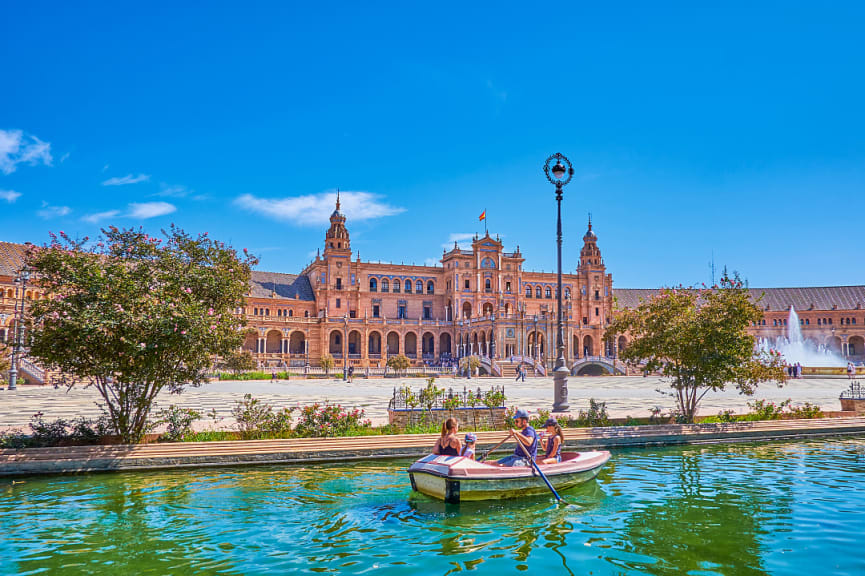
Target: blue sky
(731, 129)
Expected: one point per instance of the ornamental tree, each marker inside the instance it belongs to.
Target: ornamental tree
(398, 363)
(470, 364)
(698, 339)
(134, 314)
(5, 360)
(239, 361)
(326, 362)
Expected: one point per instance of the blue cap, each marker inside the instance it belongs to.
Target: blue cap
(521, 413)
(471, 437)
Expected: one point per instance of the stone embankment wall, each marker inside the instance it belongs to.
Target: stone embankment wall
(467, 417)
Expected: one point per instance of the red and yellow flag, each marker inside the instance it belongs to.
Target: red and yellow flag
(483, 216)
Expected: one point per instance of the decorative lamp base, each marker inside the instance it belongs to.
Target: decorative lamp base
(560, 389)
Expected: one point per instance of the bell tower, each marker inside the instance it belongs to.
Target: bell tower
(596, 290)
(336, 240)
(590, 255)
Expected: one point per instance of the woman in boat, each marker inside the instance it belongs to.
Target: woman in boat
(448, 444)
(554, 441)
(469, 447)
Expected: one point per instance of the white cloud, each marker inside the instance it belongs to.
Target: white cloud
(432, 262)
(9, 195)
(99, 216)
(105, 168)
(315, 209)
(64, 158)
(140, 211)
(150, 209)
(19, 148)
(173, 191)
(463, 240)
(128, 179)
(48, 212)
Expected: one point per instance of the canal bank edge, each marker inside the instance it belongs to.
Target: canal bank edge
(78, 459)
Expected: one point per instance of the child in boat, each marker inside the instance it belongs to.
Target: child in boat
(469, 447)
(554, 441)
(448, 444)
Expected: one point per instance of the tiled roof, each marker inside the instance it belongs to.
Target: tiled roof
(817, 297)
(630, 297)
(821, 297)
(267, 284)
(11, 258)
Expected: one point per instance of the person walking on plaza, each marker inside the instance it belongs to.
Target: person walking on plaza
(350, 374)
(523, 372)
(519, 372)
(851, 371)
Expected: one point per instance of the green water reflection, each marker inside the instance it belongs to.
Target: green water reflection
(783, 508)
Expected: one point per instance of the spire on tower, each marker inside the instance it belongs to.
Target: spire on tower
(337, 201)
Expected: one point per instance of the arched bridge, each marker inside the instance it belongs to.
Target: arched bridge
(597, 366)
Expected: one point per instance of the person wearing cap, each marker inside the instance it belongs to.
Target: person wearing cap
(526, 436)
(554, 440)
(469, 446)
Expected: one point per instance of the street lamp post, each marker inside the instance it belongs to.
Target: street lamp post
(559, 175)
(17, 351)
(345, 348)
(535, 347)
(493, 338)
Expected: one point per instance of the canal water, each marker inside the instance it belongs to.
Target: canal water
(780, 508)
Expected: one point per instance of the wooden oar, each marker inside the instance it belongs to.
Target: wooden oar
(494, 448)
(538, 470)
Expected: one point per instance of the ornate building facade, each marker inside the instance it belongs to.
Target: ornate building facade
(477, 301)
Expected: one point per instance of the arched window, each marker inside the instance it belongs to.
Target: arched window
(430, 287)
(567, 293)
(290, 313)
(385, 287)
(418, 287)
(306, 313)
(528, 291)
(548, 293)
(396, 286)
(373, 285)
(408, 286)
(537, 292)
(488, 285)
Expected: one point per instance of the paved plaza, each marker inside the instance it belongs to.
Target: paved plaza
(624, 395)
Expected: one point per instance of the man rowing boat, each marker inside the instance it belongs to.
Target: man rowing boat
(527, 436)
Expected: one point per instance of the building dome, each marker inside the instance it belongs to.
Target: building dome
(590, 236)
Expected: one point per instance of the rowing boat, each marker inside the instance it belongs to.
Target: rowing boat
(455, 478)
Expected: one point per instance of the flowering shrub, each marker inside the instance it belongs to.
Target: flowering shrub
(765, 410)
(179, 421)
(595, 416)
(324, 420)
(509, 417)
(538, 422)
(58, 432)
(256, 419)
